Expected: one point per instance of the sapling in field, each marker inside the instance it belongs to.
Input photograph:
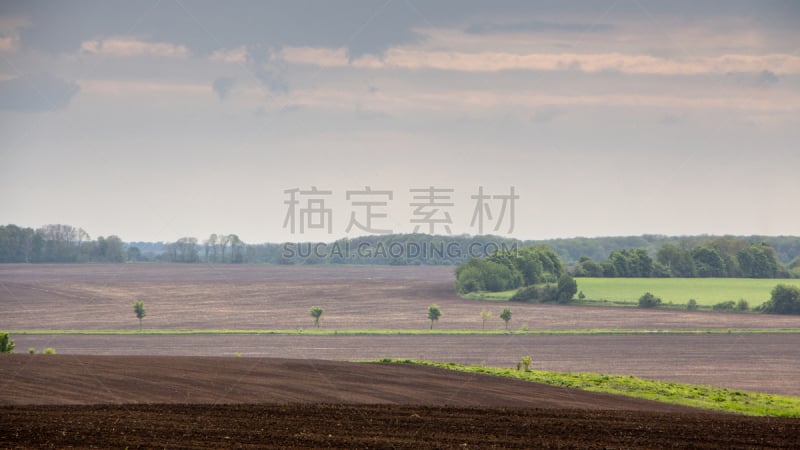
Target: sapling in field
(486, 316)
(506, 316)
(434, 313)
(316, 313)
(138, 309)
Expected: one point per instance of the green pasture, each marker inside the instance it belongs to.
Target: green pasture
(678, 291)
(706, 291)
(697, 396)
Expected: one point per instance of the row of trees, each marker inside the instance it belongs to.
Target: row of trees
(57, 244)
(723, 257)
(537, 272)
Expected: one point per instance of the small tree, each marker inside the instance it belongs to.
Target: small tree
(138, 308)
(316, 313)
(785, 299)
(6, 343)
(692, 305)
(581, 296)
(567, 288)
(506, 316)
(649, 300)
(434, 313)
(526, 361)
(486, 316)
(742, 305)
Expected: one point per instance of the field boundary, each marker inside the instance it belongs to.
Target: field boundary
(370, 332)
(712, 398)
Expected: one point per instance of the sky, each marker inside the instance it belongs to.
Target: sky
(311, 120)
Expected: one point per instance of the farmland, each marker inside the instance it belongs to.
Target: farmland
(678, 291)
(206, 315)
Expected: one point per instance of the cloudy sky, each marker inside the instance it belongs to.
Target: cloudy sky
(154, 120)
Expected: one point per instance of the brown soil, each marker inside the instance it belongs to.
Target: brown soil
(379, 426)
(278, 297)
(258, 403)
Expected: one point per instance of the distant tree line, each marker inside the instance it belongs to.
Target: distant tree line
(721, 257)
(649, 255)
(57, 244)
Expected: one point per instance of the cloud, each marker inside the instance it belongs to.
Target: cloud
(537, 27)
(36, 93)
(237, 55)
(222, 86)
(268, 68)
(766, 78)
(128, 47)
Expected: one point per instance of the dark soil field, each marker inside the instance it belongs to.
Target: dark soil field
(193, 402)
(197, 395)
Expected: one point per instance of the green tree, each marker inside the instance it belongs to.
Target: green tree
(506, 316)
(649, 300)
(6, 344)
(486, 316)
(138, 309)
(316, 313)
(785, 299)
(526, 362)
(692, 305)
(434, 313)
(567, 288)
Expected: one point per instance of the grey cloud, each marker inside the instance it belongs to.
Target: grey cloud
(536, 27)
(767, 78)
(222, 86)
(546, 114)
(270, 71)
(36, 93)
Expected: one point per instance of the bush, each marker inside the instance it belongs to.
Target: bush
(6, 343)
(729, 305)
(742, 305)
(567, 288)
(692, 305)
(31, 351)
(785, 299)
(526, 361)
(49, 351)
(540, 293)
(649, 300)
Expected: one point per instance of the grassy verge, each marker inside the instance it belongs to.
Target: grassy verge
(333, 332)
(697, 396)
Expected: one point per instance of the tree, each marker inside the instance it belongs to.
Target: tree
(785, 299)
(486, 316)
(506, 316)
(567, 288)
(316, 313)
(138, 309)
(434, 313)
(649, 300)
(6, 344)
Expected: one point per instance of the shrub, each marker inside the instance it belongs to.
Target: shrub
(6, 343)
(785, 299)
(581, 296)
(649, 300)
(742, 305)
(692, 305)
(729, 305)
(526, 361)
(567, 288)
(540, 293)
(49, 351)
(31, 351)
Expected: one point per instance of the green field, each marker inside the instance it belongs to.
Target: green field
(706, 291)
(697, 396)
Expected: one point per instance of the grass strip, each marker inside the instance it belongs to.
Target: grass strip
(698, 396)
(402, 332)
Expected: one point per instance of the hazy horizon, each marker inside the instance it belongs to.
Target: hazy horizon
(158, 120)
